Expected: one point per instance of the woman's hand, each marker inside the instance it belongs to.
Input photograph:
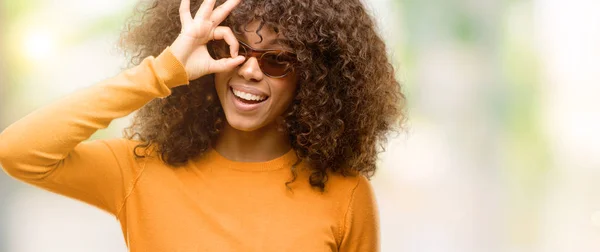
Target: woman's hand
(190, 46)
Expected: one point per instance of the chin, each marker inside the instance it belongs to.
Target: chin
(243, 123)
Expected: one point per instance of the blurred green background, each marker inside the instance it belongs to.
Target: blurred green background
(501, 151)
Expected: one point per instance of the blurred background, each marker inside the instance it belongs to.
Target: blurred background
(501, 151)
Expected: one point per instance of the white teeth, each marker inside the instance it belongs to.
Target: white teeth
(247, 96)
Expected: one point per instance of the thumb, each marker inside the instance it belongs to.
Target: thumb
(227, 64)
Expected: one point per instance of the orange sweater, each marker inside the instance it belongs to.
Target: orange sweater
(210, 204)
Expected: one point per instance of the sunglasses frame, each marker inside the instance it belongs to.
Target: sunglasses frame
(247, 51)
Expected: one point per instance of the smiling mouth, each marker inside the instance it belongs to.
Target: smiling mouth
(247, 97)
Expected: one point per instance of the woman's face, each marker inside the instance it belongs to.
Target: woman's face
(248, 82)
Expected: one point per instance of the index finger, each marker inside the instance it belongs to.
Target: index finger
(220, 13)
(225, 33)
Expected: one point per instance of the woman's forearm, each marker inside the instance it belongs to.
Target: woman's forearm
(32, 146)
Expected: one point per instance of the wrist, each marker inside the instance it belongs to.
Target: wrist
(178, 48)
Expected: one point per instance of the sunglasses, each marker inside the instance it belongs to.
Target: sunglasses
(273, 63)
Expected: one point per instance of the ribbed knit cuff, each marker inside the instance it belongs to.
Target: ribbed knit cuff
(170, 70)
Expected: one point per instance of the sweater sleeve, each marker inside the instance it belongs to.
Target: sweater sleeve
(361, 224)
(46, 148)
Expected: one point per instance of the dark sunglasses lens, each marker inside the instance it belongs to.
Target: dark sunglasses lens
(276, 64)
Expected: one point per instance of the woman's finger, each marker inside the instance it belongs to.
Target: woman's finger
(220, 13)
(224, 65)
(184, 13)
(205, 10)
(225, 33)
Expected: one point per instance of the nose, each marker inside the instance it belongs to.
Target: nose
(250, 70)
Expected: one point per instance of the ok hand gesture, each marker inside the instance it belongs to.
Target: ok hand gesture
(190, 46)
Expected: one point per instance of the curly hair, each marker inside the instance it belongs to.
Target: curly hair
(346, 102)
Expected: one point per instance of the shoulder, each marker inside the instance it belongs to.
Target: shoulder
(128, 147)
(130, 153)
(343, 189)
(350, 187)
(337, 184)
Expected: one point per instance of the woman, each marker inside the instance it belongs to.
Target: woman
(258, 126)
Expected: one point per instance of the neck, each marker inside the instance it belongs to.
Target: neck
(264, 144)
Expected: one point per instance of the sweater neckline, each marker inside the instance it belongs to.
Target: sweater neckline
(285, 160)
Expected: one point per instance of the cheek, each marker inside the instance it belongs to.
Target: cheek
(219, 81)
(221, 84)
(286, 90)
